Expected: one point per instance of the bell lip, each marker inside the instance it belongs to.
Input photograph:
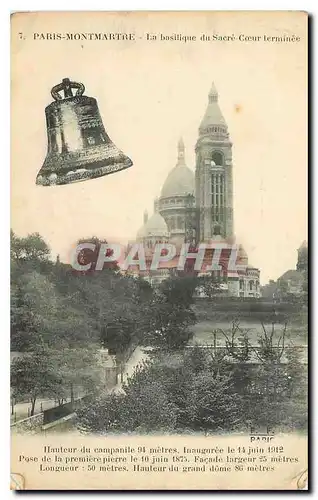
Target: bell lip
(87, 175)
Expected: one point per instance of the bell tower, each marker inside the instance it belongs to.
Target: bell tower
(213, 174)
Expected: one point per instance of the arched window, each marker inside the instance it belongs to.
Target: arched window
(218, 158)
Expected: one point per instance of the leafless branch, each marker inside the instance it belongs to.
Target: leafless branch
(283, 341)
(255, 350)
(264, 329)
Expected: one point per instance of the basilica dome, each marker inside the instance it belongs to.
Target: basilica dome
(155, 226)
(179, 182)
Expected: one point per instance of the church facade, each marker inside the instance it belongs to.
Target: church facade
(197, 206)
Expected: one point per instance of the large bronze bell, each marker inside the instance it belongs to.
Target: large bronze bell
(78, 145)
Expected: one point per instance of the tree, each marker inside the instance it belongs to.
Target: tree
(55, 373)
(30, 248)
(271, 348)
(209, 389)
(210, 285)
(150, 408)
(33, 375)
(144, 406)
(171, 314)
(67, 316)
(283, 288)
(103, 414)
(305, 285)
(163, 397)
(76, 371)
(39, 314)
(169, 326)
(33, 296)
(296, 374)
(179, 290)
(212, 403)
(115, 302)
(88, 256)
(24, 323)
(196, 358)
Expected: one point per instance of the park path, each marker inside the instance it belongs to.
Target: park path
(22, 410)
(138, 355)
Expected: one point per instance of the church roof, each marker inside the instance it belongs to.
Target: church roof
(141, 232)
(156, 226)
(241, 253)
(180, 180)
(213, 114)
(250, 266)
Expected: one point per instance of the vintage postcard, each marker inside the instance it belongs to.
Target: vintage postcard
(159, 260)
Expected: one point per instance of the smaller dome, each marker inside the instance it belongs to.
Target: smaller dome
(242, 251)
(156, 226)
(231, 239)
(141, 233)
(242, 255)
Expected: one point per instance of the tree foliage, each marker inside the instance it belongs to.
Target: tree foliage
(171, 315)
(70, 314)
(64, 314)
(210, 285)
(30, 248)
(61, 317)
(33, 375)
(208, 389)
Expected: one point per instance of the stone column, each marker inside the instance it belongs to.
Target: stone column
(207, 201)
